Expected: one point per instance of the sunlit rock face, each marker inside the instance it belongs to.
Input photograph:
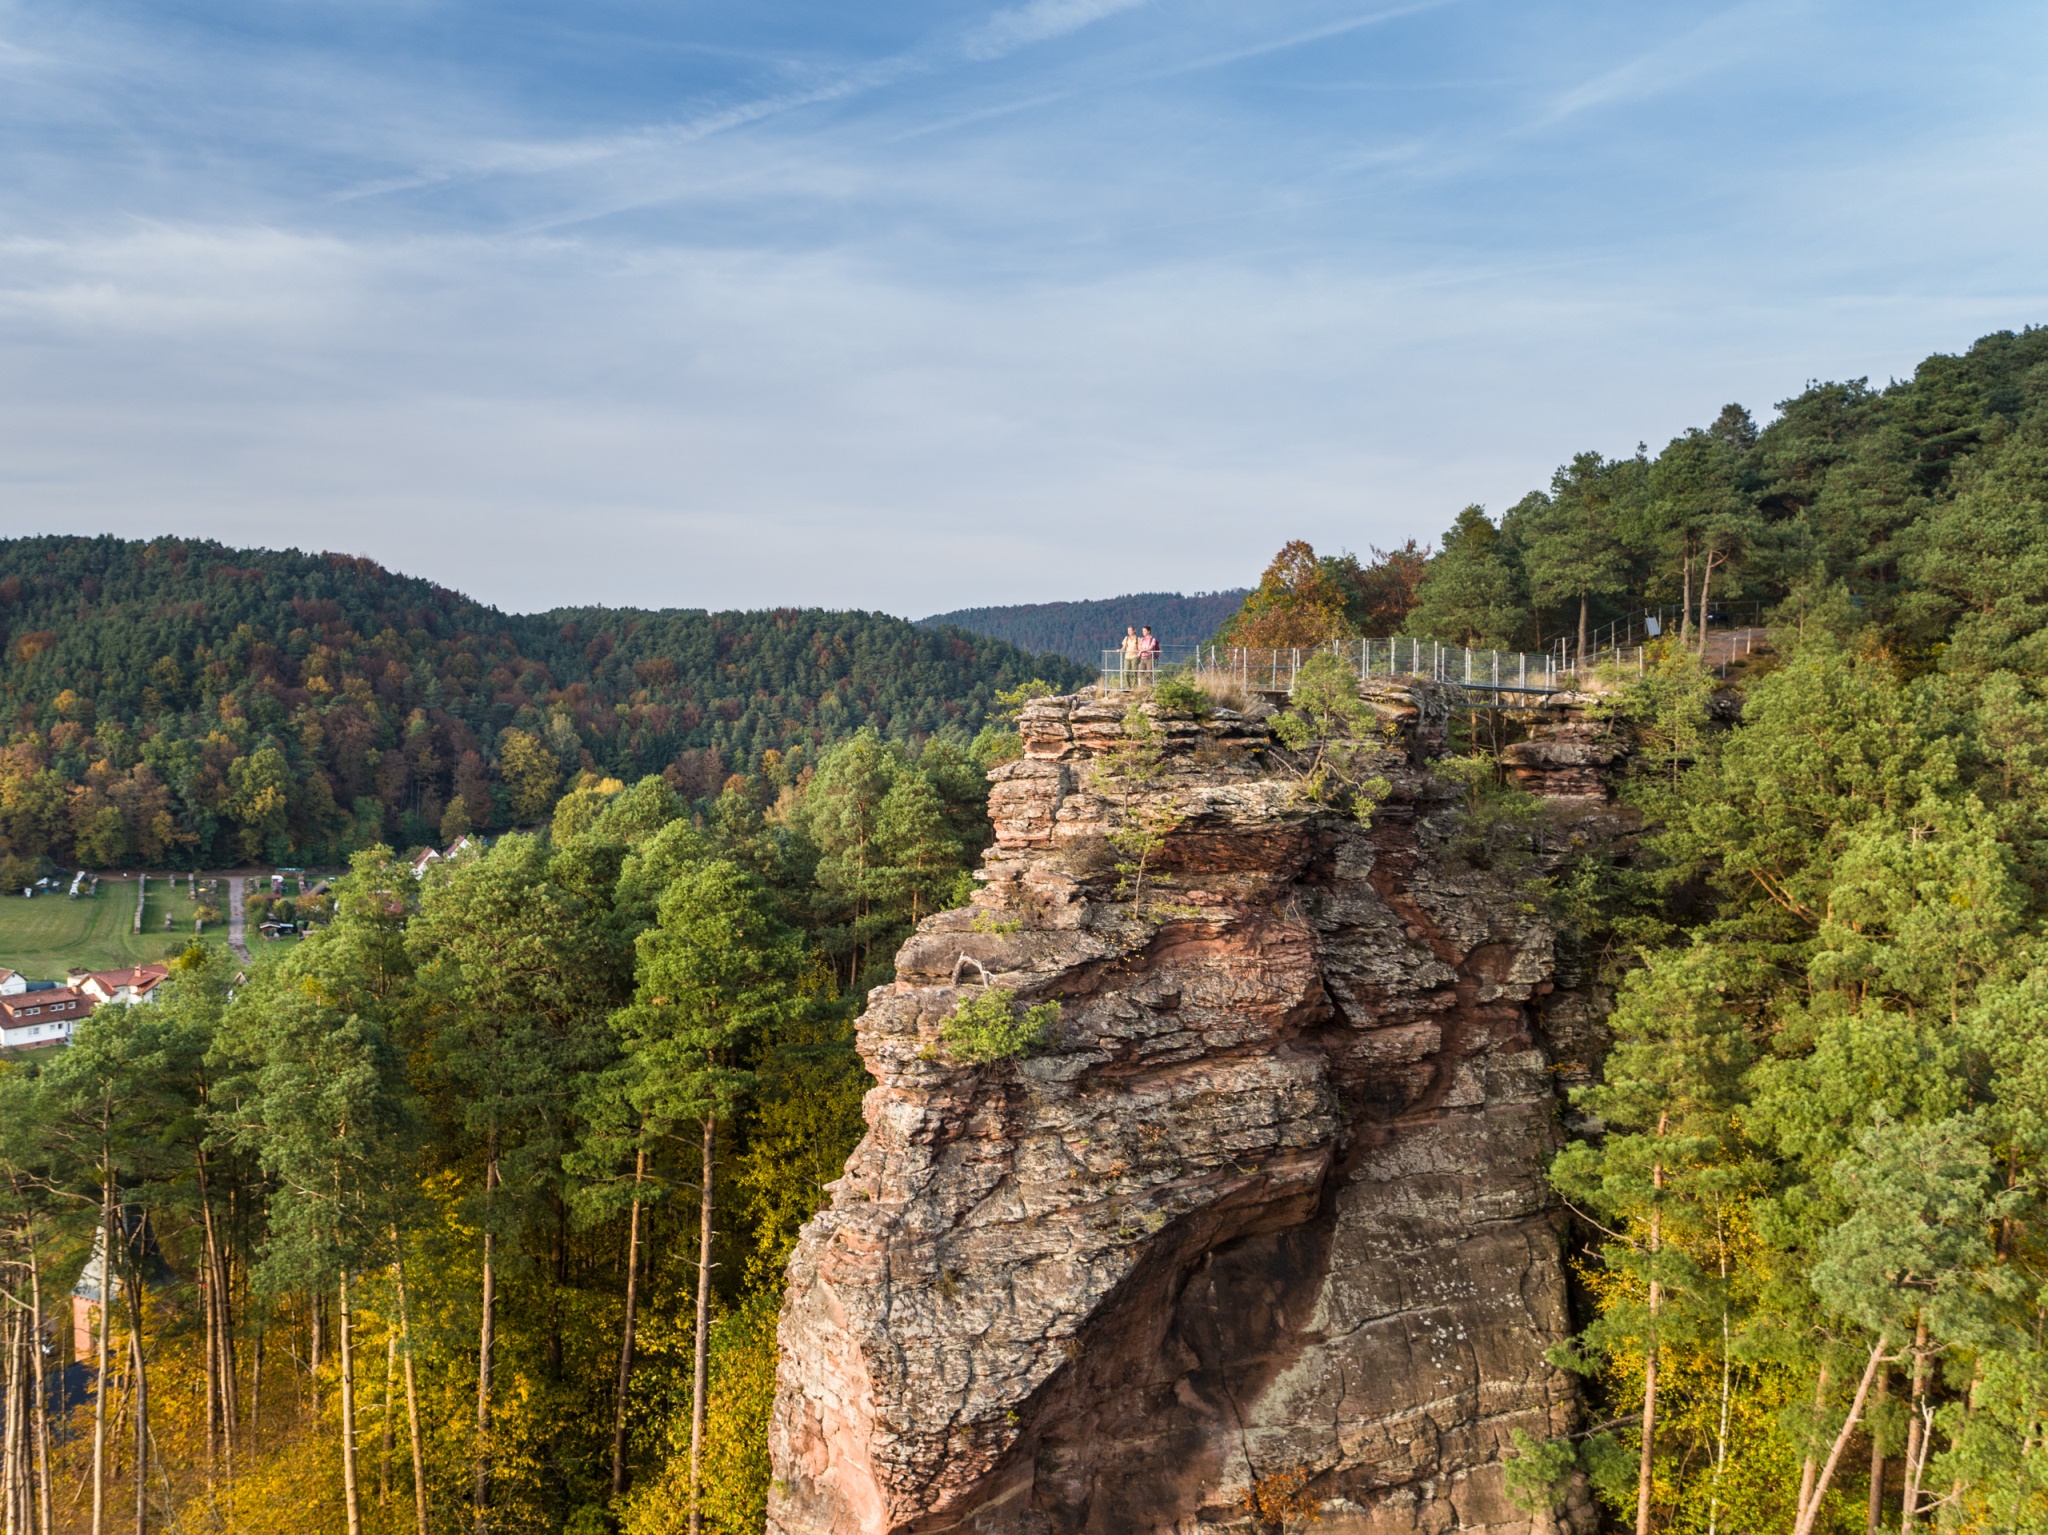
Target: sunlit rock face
(1268, 1208)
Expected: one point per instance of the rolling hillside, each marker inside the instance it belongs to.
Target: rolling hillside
(180, 703)
(1081, 631)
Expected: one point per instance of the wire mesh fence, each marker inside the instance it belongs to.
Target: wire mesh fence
(1625, 643)
(1264, 669)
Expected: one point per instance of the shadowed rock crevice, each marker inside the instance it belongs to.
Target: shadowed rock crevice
(1270, 1204)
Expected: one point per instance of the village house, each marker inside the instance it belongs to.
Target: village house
(12, 983)
(428, 858)
(29, 1019)
(136, 985)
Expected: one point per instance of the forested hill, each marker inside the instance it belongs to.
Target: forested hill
(1081, 631)
(178, 702)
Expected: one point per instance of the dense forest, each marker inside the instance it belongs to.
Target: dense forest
(406, 1223)
(176, 703)
(1081, 631)
(470, 1211)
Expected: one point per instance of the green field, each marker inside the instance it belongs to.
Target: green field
(44, 937)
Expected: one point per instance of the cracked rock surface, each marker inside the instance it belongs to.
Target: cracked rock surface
(1269, 1203)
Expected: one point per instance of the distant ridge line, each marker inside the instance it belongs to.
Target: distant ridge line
(1081, 631)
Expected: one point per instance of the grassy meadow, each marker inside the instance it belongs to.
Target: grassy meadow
(51, 933)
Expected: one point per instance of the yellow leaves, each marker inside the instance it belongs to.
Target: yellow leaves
(742, 1393)
(1281, 1498)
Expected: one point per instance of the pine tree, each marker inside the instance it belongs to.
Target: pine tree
(717, 974)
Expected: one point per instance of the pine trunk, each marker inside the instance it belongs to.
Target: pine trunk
(141, 1401)
(350, 1493)
(256, 1391)
(99, 1389)
(220, 1356)
(390, 1402)
(45, 1514)
(1645, 1471)
(1809, 1468)
(480, 1495)
(316, 1307)
(412, 1396)
(11, 1456)
(1916, 1448)
(1873, 1518)
(1706, 581)
(700, 1372)
(1810, 1501)
(1584, 609)
(626, 1340)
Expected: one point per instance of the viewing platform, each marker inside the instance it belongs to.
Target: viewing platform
(1502, 678)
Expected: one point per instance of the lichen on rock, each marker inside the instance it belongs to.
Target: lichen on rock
(1266, 1207)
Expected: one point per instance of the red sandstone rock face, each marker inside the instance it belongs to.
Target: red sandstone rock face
(1272, 1202)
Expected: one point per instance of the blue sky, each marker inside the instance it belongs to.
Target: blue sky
(915, 306)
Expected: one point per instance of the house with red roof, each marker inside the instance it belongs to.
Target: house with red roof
(135, 985)
(30, 1019)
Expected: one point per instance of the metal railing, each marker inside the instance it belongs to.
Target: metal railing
(1272, 670)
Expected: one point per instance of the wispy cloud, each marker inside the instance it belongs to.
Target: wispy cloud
(804, 303)
(1721, 41)
(1301, 39)
(1037, 22)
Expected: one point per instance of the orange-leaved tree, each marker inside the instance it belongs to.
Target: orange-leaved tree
(1299, 601)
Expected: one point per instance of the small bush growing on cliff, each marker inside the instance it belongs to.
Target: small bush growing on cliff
(1134, 767)
(1540, 1475)
(1664, 711)
(1335, 732)
(1178, 694)
(990, 1028)
(1496, 829)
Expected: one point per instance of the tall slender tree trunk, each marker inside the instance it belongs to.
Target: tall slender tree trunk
(316, 1308)
(1584, 609)
(1721, 1427)
(1916, 1449)
(12, 1454)
(1873, 1518)
(256, 1391)
(141, 1398)
(1809, 1468)
(210, 1327)
(1706, 581)
(1685, 607)
(351, 1495)
(45, 1514)
(210, 1346)
(390, 1403)
(99, 1388)
(220, 1355)
(1811, 1500)
(626, 1339)
(700, 1365)
(412, 1396)
(1645, 1471)
(480, 1496)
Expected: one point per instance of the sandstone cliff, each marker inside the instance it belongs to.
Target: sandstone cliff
(1267, 1215)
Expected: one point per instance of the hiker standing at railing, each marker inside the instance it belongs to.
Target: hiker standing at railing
(1148, 653)
(1133, 654)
